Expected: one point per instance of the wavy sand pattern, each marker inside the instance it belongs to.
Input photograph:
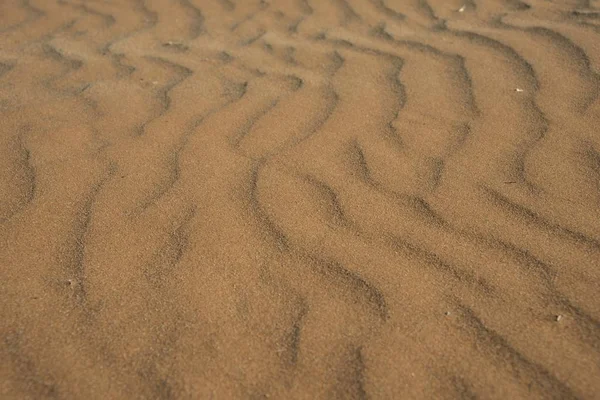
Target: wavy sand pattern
(299, 199)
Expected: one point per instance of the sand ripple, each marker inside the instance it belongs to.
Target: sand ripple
(299, 199)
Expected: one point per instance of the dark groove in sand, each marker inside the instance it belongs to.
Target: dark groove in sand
(509, 357)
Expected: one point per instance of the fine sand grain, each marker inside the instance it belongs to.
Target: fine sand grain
(299, 199)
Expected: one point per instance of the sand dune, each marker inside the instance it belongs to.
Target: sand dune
(299, 199)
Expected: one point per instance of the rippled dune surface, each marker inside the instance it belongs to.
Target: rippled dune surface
(299, 199)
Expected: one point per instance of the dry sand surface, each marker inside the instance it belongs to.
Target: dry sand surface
(299, 199)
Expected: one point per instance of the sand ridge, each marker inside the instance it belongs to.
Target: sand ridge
(299, 199)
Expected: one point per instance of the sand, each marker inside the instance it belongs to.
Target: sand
(299, 199)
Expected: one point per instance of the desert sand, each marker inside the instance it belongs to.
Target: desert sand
(299, 199)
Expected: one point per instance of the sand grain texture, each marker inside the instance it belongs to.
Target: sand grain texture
(299, 199)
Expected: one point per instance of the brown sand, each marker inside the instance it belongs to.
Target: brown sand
(299, 199)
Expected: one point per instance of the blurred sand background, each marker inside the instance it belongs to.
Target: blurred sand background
(299, 199)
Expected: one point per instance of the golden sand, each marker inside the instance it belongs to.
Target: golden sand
(299, 199)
